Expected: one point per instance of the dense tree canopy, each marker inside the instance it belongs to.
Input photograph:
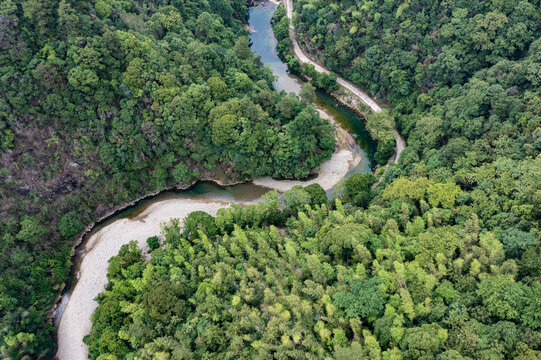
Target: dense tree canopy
(104, 101)
(458, 75)
(463, 80)
(401, 279)
(440, 260)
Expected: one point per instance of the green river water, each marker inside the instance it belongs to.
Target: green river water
(264, 44)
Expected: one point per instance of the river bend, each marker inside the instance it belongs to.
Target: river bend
(72, 318)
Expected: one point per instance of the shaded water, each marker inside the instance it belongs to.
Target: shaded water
(264, 44)
(205, 190)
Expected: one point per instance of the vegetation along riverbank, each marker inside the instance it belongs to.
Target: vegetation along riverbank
(107, 101)
(439, 261)
(103, 103)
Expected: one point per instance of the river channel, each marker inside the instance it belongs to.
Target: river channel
(145, 218)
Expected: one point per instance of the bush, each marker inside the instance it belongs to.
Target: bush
(384, 151)
(317, 194)
(357, 188)
(515, 241)
(199, 220)
(70, 225)
(153, 242)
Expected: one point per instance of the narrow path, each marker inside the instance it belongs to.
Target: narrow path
(367, 100)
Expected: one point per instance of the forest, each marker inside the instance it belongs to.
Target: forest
(415, 275)
(104, 102)
(441, 260)
(380, 126)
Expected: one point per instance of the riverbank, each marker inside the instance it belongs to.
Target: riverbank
(351, 95)
(75, 321)
(331, 171)
(92, 278)
(95, 252)
(111, 212)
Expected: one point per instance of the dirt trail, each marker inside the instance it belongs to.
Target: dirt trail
(367, 100)
(75, 322)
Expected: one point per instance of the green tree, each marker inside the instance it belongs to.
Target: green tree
(242, 48)
(70, 225)
(444, 194)
(83, 79)
(153, 242)
(199, 221)
(357, 188)
(317, 194)
(363, 299)
(502, 296)
(218, 88)
(32, 231)
(346, 240)
(308, 93)
(103, 9)
(164, 300)
(423, 342)
(515, 241)
(225, 130)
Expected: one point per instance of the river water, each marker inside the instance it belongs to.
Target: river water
(264, 44)
(144, 219)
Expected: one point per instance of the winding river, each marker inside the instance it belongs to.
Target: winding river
(145, 219)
